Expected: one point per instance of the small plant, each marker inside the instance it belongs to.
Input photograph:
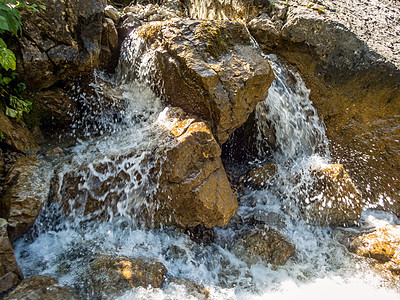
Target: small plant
(11, 25)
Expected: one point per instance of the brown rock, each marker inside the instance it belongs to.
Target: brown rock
(261, 177)
(41, 287)
(333, 199)
(56, 106)
(28, 188)
(194, 289)
(112, 276)
(111, 12)
(17, 135)
(195, 188)
(61, 41)
(268, 246)
(383, 245)
(10, 274)
(209, 69)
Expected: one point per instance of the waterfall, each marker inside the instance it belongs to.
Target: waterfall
(119, 165)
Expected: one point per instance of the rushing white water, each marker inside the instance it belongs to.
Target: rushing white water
(63, 247)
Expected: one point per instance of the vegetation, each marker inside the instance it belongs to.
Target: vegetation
(11, 25)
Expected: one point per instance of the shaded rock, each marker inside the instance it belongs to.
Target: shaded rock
(209, 69)
(193, 289)
(383, 245)
(60, 42)
(267, 246)
(10, 274)
(270, 218)
(27, 190)
(17, 135)
(261, 177)
(194, 186)
(127, 23)
(41, 287)
(112, 276)
(333, 199)
(56, 107)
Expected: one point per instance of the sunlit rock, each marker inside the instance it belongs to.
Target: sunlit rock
(26, 193)
(266, 246)
(10, 274)
(112, 276)
(41, 287)
(112, 13)
(383, 245)
(210, 69)
(332, 199)
(194, 186)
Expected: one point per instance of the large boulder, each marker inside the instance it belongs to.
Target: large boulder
(332, 198)
(41, 287)
(61, 41)
(112, 276)
(10, 274)
(194, 186)
(17, 135)
(208, 68)
(27, 190)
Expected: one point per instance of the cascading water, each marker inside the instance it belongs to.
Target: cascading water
(118, 166)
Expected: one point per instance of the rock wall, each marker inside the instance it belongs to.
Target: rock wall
(351, 63)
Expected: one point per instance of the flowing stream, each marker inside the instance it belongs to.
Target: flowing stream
(118, 168)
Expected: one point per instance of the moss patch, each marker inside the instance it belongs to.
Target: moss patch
(213, 36)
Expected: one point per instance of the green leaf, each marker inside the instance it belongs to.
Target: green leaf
(21, 86)
(42, 6)
(7, 80)
(3, 44)
(14, 75)
(4, 24)
(11, 112)
(7, 59)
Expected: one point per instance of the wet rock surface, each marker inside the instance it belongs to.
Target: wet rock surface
(10, 274)
(194, 185)
(41, 287)
(382, 245)
(209, 69)
(112, 276)
(25, 195)
(264, 245)
(332, 199)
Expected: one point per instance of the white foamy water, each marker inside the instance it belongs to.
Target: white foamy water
(63, 246)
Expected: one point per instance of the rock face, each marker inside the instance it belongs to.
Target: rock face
(383, 245)
(41, 287)
(268, 246)
(351, 63)
(195, 188)
(61, 41)
(17, 135)
(112, 276)
(10, 274)
(333, 199)
(25, 195)
(209, 69)
(261, 177)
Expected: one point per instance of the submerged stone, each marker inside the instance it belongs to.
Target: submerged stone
(41, 287)
(332, 199)
(112, 276)
(268, 246)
